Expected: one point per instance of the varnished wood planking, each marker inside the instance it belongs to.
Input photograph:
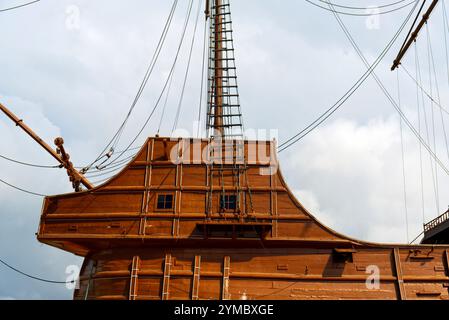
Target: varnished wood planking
(301, 263)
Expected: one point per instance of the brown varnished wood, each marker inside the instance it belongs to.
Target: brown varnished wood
(117, 227)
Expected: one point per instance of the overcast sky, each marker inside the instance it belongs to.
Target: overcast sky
(72, 69)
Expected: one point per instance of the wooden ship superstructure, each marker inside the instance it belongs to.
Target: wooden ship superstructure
(214, 219)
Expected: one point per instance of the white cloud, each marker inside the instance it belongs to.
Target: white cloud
(351, 174)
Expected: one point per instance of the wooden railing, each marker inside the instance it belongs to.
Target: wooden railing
(437, 221)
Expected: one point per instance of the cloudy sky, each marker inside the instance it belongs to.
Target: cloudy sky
(72, 69)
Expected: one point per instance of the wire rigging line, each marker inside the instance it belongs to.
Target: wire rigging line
(106, 172)
(117, 163)
(429, 55)
(203, 76)
(427, 94)
(420, 146)
(388, 95)
(23, 190)
(178, 112)
(362, 14)
(445, 27)
(422, 232)
(189, 11)
(426, 125)
(34, 277)
(362, 8)
(165, 103)
(115, 139)
(150, 70)
(19, 6)
(340, 102)
(404, 181)
(438, 94)
(412, 27)
(30, 164)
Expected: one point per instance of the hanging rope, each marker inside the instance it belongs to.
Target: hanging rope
(165, 103)
(362, 8)
(403, 160)
(389, 97)
(34, 277)
(429, 54)
(426, 125)
(445, 30)
(29, 164)
(361, 14)
(203, 76)
(21, 189)
(340, 102)
(426, 93)
(116, 138)
(192, 44)
(189, 10)
(419, 131)
(19, 6)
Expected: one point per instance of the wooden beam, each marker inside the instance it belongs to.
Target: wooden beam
(133, 281)
(166, 281)
(226, 274)
(63, 159)
(447, 262)
(196, 278)
(89, 278)
(413, 35)
(399, 276)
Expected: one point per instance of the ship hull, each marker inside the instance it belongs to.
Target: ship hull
(173, 225)
(265, 273)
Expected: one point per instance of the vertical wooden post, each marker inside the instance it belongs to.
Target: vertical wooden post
(226, 272)
(178, 193)
(447, 262)
(144, 206)
(91, 272)
(166, 281)
(196, 278)
(133, 282)
(274, 204)
(400, 279)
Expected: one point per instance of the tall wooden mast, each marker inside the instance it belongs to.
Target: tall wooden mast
(224, 118)
(218, 58)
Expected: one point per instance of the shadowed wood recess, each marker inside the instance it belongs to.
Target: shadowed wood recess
(170, 227)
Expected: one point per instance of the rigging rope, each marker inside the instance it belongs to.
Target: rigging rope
(165, 85)
(438, 97)
(429, 54)
(426, 122)
(362, 14)
(445, 26)
(432, 99)
(419, 131)
(34, 277)
(19, 6)
(203, 76)
(115, 139)
(165, 104)
(388, 95)
(29, 164)
(324, 116)
(23, 190)
(404, 181)
(178, 112)
(362, 8)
